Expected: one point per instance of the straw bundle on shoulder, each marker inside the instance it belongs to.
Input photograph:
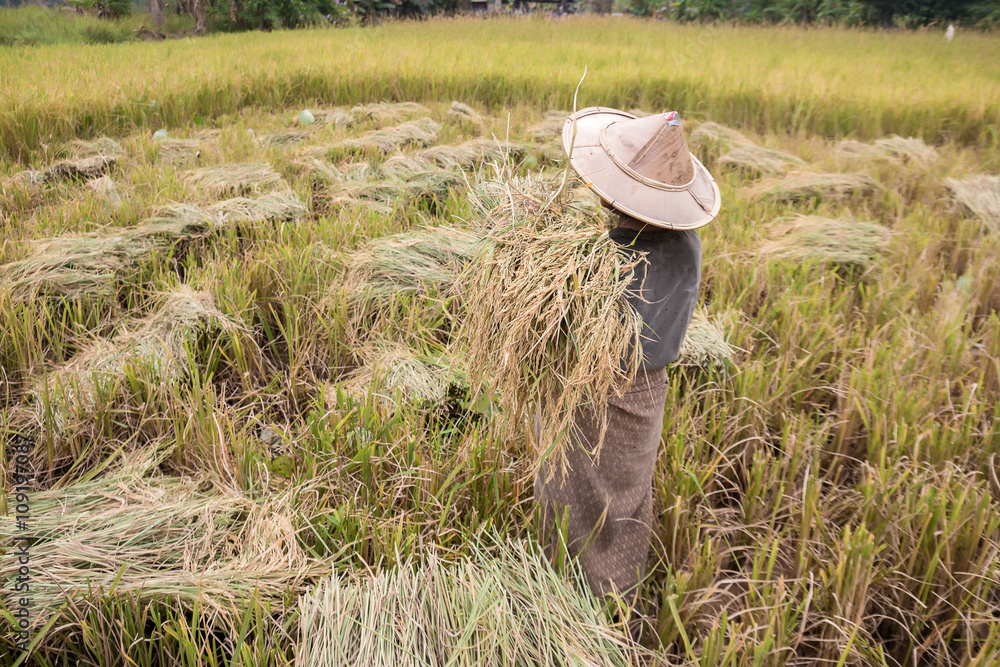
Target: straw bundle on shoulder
(132, 531)
(980, 195)
(841, 242)
(233, 179)
(546, 324)
(704, 345)
(803, 186)
(499, 606)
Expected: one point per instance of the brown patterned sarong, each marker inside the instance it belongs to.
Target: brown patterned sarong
(610, 505)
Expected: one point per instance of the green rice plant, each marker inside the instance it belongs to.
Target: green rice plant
(233, 179)
(842, 242)
(980, 195)
(501, 605)
(545, 322)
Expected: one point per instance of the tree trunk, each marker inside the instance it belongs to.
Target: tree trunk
(233, 8)
(199, 16)
(156, 11)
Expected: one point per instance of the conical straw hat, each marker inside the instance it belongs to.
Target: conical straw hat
(642, 167)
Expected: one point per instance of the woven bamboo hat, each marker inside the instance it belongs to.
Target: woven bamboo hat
(642, 167)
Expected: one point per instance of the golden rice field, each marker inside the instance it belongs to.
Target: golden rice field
(238, 417)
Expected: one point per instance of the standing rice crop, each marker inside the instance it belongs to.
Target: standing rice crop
(546, 324)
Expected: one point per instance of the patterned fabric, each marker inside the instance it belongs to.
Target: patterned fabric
(610, 505)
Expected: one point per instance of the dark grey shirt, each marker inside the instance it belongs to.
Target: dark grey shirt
(669, 285)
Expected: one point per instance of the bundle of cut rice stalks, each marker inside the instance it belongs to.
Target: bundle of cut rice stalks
(803, 186)
(282, 139)
(464, 155)
(381, 142)
(894, 148)
(89, 265)
(463, 113)
(100, 146)
(546, 325)
(157, 347)
(386, 196)
(841, 242)
(233, 179)
(272, 207)
(499, 606)
(179, 540)
(551, 127)
(739, 152)
(81, 169)
(436, 381)
(705, 345)
(422, 263)
(177, 151)
(980, 195)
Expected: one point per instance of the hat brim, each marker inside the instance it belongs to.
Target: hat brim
(691, 208)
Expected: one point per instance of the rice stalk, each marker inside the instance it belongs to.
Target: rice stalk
(551, 127)
(842, 242)
(390, 139)
(176, 539)
(979, 195)
(546, 325)
(98, 147)
(500, 606)
(464, 155)
(759, 160)
(106, 189)
(386, 196)
(233, 179)
(803, 186)
(281, 139)
(710, 134)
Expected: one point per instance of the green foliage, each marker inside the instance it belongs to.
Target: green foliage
(104, 9)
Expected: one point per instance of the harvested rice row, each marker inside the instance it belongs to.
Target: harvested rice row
(379, 111)
(90, 265)
(980, 196)
(803, 186)
(739, 152)
(894, 148)
(380, 142)
(501, 606)
(233, 179)
(841, 242)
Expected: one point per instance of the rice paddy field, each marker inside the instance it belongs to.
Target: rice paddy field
(247, 416)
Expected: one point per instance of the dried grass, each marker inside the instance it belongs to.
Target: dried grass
(546, 325)
(391, 369)
(179, 540)
(499, 606)
(841, 242)
(802, 186)
(980, 195)
(705, 345)
(233, 179)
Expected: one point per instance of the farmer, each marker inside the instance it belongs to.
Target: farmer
(641, 169)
